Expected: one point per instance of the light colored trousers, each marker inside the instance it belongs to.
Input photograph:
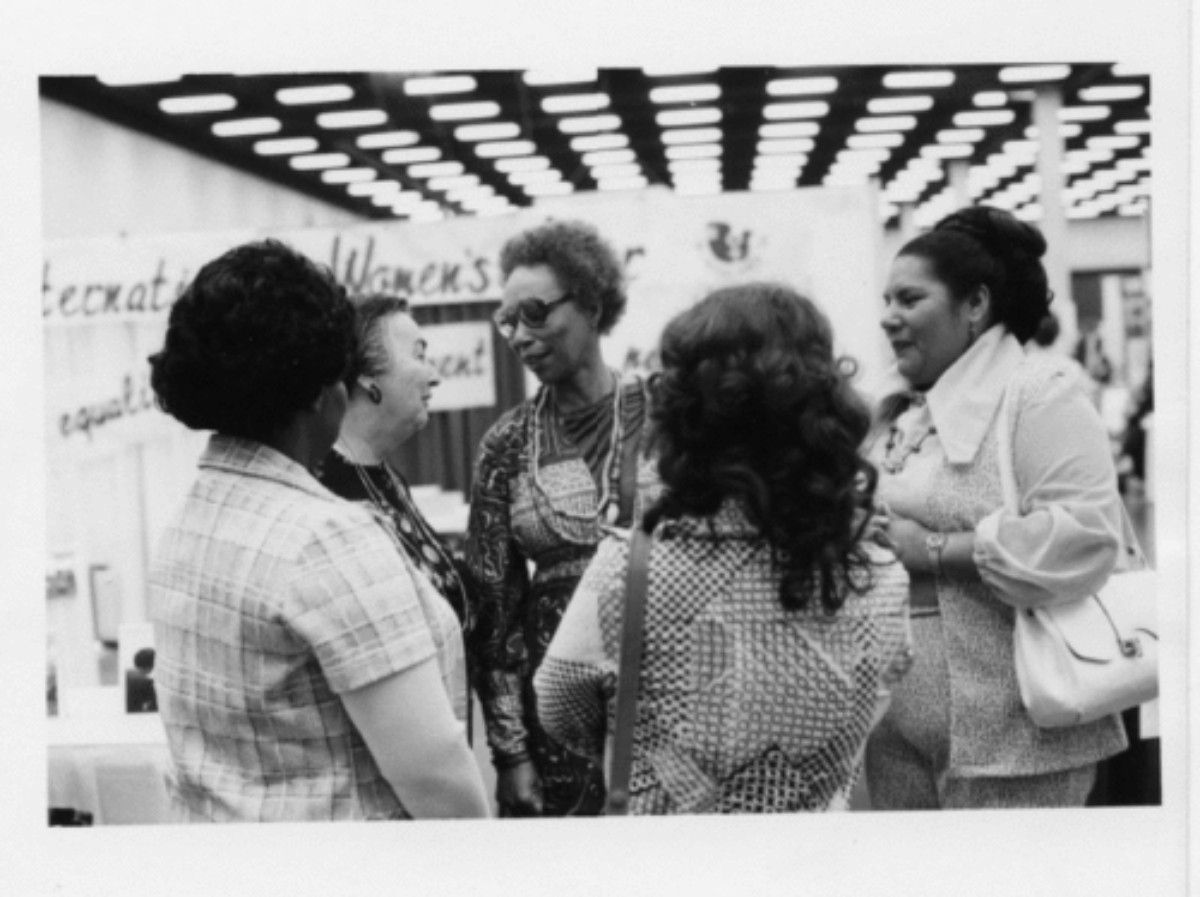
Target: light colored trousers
(908, 752)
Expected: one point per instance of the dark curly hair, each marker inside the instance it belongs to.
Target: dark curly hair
(752, 404)
(584, 263)
(984, 246)
(252, 341)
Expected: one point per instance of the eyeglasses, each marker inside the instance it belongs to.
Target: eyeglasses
(531, 312)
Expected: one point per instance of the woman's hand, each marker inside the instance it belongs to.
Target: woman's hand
(519, 790)
(904, 536)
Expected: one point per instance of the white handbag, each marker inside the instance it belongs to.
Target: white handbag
(1083, 660)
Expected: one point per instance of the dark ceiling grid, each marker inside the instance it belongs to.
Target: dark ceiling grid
(743, 96)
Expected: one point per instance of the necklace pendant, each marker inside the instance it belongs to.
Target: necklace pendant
(611, 513)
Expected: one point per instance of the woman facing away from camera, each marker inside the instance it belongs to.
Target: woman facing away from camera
(389, 388)
(774, 626)
(296, 674)
(551, 475)
(960, 303)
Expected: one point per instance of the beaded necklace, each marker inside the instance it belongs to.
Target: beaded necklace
(386, 508)
(893, 461)
(610, 471)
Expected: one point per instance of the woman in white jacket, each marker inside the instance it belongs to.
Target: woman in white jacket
(960, 303)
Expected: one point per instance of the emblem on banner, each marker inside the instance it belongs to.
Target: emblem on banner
(731, 249)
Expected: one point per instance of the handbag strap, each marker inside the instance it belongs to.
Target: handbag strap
(632, 625)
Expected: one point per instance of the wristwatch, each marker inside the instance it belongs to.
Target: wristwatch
(935, 543)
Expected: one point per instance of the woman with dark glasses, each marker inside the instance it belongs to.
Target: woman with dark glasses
(551, 475)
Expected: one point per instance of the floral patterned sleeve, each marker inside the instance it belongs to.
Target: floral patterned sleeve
(500, 589)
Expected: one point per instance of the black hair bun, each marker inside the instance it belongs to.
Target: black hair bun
(1001, 233)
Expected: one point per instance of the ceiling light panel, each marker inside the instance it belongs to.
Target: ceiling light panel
(886, 123)
(789, 161)
(452, 182)
(609, 157)
(1066, 130)
(599, 142)
(192, 105)
(790, 129)
(534, 177)
(286, 146)
(616, 171)
(709, 151)
(435, 169)
(242, 127)
(499, 130)
(1084, 113)
(961, 135)
(583, 102)
(349, 175)
(810, 109)
(1029, 74)
(691, 135)
(685, 93)
(319, 160)
(526, 163)
(494, 150)
(1111, 93)
(694, 166)
(865, 141)
(352, 118)
(1139, 126)
(586, 124)
(676, 118)
(413, 154)
(775, 147)
(385, 139)
(893, 105)
(790, 87)
(464, 111)
(987, 99)
(918, 80)
(984, 118)
(314, 94)
(439, 85)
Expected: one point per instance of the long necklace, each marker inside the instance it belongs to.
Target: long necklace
(388, 510)
(606, 508)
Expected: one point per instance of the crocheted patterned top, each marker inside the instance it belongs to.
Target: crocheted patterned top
(743, 707)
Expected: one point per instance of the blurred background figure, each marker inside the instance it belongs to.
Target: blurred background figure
(551, 475)
(774, 626)
(139, 684)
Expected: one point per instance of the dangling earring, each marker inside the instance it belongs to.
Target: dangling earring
(971, 334)
(373, 391)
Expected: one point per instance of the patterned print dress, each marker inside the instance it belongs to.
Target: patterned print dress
(743, 706)
(533, 530)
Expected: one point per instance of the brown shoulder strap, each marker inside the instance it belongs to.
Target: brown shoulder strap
(633, 618)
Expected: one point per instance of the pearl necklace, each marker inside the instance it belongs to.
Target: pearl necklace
(610, 471)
